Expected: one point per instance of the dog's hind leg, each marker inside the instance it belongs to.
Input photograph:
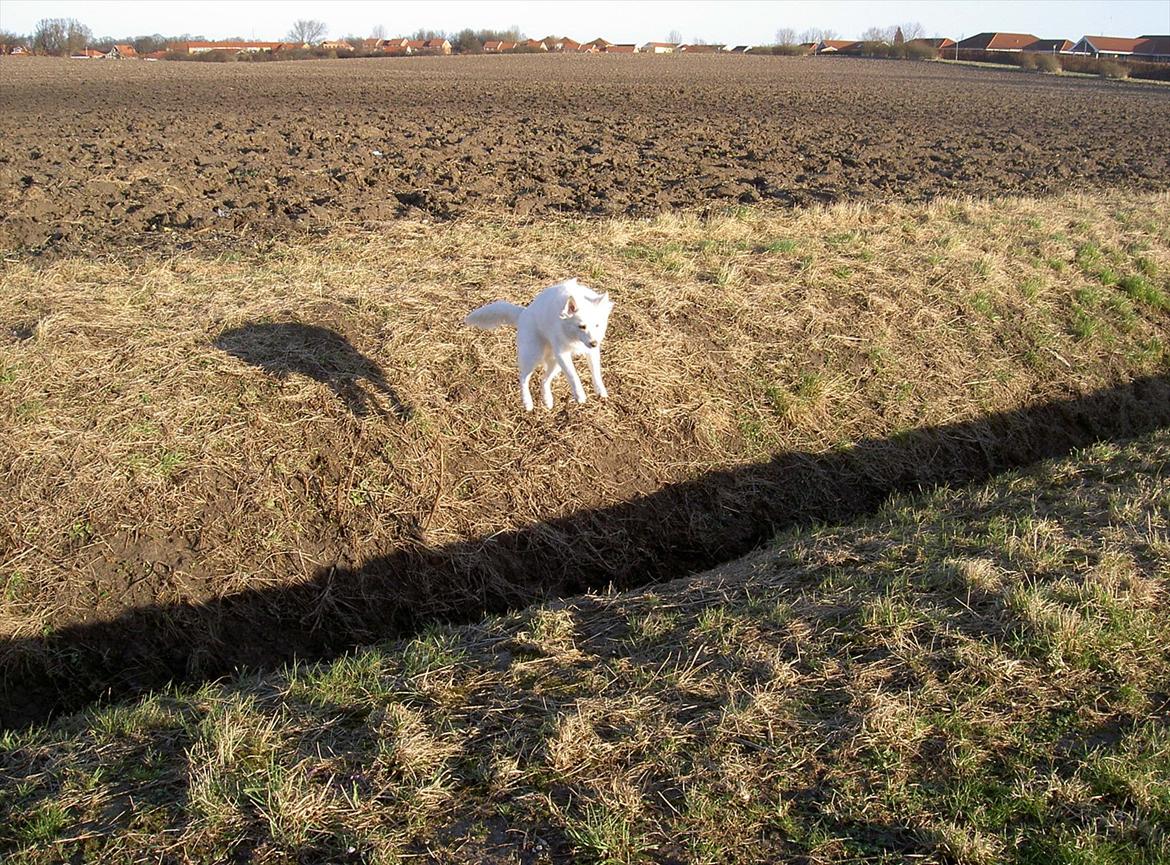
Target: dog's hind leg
(565, 361)
(528, 356)
(551, 371)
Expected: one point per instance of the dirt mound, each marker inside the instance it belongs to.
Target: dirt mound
(216, 154)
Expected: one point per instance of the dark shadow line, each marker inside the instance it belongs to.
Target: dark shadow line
(680, 529)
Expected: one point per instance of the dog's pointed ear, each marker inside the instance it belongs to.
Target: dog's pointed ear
(605, 299)
(570, 309)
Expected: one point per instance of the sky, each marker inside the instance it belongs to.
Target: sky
(731, 21)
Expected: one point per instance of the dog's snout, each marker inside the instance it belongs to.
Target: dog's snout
(593, 343)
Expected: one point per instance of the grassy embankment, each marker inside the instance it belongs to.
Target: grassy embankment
(975, 675)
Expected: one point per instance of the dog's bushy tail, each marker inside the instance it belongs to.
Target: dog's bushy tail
(493, 315)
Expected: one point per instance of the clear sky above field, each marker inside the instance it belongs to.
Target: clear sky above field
(736, 21)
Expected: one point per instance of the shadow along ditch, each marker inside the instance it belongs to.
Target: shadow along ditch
(680, 529)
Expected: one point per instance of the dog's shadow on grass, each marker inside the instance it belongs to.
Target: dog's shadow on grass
(281, 348)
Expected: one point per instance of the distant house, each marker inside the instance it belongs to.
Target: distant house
(121, 52)
(534, 45)
(334, 45)
(659, 48)
(87, 54)
(595, 47)
(19, 51)
(236, 46)
(699, 49)
(436, 46)
(291, 46)
(156, 55)
(1050, 46)
(624, 48)
(838, 46)
(562, 44)
(938, 44)
(1155, 49)
(739, 49)
(498, 47)
(987, 42)
(393, 46)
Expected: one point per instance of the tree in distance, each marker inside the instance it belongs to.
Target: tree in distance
(60, 37)
(307, 30)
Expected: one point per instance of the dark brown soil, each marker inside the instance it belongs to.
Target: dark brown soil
(99, 153)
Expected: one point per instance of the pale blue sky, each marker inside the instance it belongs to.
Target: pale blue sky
(735, 21)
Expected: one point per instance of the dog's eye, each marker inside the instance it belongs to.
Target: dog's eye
(581, 326)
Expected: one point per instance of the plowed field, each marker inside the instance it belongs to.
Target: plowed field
(94, 153)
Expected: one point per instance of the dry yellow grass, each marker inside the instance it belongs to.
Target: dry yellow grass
(141, 464)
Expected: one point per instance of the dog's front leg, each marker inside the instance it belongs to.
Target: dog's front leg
(565, 360)
(595, 371)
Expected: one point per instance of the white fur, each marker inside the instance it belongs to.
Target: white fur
(565, 319)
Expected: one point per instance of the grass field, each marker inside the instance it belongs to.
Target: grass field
(970, 676)
(314, 417)
(292, 449)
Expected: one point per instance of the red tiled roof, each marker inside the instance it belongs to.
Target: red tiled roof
(998, 41)
(1121, 44)
(838, 46)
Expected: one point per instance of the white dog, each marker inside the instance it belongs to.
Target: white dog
(563, 320)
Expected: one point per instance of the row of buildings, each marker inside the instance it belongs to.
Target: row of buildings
(399, 47)
(1144, 48)
(1150, 48)
(601, 46)
(551, 44)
